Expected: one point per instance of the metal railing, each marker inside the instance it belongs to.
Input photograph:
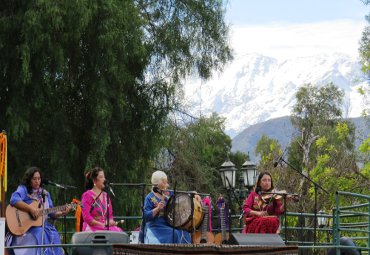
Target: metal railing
(352, 221)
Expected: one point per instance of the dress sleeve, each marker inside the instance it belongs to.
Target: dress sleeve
(148, 207)
(248, 204)
(87, 200)
(277, 205)
(19, 195)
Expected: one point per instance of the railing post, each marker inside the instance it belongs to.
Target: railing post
(337, 224)
(368, 235)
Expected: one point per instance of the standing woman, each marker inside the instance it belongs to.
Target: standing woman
(96, 204)
(29, 191)
(261, 214)
(156, 229)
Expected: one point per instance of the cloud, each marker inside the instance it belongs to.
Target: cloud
(284, 41)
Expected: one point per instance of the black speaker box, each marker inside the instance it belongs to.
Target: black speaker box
(98, 237)
(256, 239)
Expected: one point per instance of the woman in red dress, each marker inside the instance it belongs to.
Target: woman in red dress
(261, 215)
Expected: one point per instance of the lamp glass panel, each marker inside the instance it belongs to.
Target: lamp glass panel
(321, 220)
(230, 175)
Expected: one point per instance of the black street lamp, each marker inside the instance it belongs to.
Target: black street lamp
(249, 173)
(227, 171)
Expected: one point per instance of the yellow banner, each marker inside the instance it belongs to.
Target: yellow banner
(3, 163)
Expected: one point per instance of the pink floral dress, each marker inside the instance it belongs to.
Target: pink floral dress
(96, 209)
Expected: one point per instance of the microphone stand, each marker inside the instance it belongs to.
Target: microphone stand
(142, 228)
(108, 206)
(284, 195)
(173, 212)
(316, 186)
(237, 200)
(142, 186)
(64, 188)
(43, 222)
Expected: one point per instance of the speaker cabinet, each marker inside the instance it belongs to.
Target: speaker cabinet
(98, 237)
(256, 239)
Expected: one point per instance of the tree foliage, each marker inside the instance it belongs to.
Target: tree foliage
(198, 148)
(326, 143)
(267, 149)
(91, 83)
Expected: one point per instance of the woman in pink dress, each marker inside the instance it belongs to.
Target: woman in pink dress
(96, 204)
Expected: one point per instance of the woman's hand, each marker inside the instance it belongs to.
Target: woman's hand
(62, 213)
(261, 213)
(34, 212)
(160, 205)
(112, 223)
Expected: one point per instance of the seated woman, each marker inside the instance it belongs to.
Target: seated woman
(260, 214)
(96, 204)
(27, 198)
(156, 228)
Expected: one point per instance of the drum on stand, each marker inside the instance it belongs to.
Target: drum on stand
(188, 212)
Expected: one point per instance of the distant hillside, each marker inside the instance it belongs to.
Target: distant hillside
(281, 130)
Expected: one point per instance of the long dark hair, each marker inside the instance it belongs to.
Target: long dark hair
(258, 184)
(91, 175)
(26, 181)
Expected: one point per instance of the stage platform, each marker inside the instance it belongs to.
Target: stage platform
(199, 249)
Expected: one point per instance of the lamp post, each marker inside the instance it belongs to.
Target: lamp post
(249, 173)
(227, 172)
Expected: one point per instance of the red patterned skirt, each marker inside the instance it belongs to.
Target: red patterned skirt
(269, 224)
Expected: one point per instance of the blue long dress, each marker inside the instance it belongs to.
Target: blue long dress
(157, 230)
(34, 235)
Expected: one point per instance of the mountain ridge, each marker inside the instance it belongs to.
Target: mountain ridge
(282, 130)
(255, 88)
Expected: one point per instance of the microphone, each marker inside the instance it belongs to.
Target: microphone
(47, 182)
(241, 215)
(279, 159)
(43, 195)
(106, 182)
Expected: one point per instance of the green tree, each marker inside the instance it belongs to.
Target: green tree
(326, 142)
(267, 149)
(91, 83)
(198, 149)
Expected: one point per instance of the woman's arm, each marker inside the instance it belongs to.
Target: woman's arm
(17, 200)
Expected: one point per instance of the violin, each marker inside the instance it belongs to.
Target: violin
(278, 195)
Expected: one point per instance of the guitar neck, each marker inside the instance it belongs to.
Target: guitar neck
(205, 223)
(223, 225)
(53, 210)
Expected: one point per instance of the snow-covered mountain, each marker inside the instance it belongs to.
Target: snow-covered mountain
(255, 88)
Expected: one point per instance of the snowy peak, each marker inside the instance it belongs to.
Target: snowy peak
(255, 88)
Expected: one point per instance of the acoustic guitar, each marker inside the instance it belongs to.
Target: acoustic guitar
(223, 237)
(204, 236)
(19, 222)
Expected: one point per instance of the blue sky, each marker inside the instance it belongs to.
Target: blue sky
(296, 28)
(294, 11)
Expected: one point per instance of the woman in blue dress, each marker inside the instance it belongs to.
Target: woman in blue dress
(27, 195)
(156, 229)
